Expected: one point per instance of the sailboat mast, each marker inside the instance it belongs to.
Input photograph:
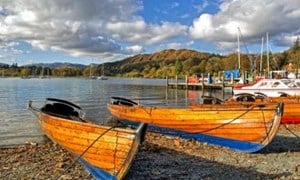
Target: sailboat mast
(268, 62)
(238, 50)
(261, 55)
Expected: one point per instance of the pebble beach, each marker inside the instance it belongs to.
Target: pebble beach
(164, 157)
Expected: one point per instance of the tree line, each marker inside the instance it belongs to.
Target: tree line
(168, 63)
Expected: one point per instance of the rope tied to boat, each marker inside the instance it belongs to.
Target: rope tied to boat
(290, 131)
(102, 134)
(249, 108)
(236, 118)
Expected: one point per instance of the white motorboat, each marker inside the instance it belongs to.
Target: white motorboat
(271, 87)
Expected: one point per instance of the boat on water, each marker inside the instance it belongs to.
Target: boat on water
(271, 87)
(242, 128)
(291, 114)
(105, 151)
(25, 77)
(102, 78)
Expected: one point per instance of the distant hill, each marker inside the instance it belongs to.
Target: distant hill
(3, 65)
(171, 62)
(57, 65)
(159, 64)
(182, 62)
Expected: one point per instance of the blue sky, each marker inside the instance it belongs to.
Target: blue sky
(98, 31)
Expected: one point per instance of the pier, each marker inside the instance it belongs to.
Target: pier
(183, 83)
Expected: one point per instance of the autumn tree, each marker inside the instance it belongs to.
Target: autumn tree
(25, 71)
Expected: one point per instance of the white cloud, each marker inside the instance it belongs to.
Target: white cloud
(136, 49)
(8, 49)
(68, 26)
(202, 6)
(254, 18)
(175, 45)
(82, 28)
(111, 29)
(142, 33)
(174, 5)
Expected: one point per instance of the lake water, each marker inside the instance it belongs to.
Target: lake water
(18, 125)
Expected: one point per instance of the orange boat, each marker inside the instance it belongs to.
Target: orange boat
(291, 114)
(243, 128)
(105, 151)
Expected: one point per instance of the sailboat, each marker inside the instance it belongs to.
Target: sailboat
(42, 76)
(102, 77)
(91, 74)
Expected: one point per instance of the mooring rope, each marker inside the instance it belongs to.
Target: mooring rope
(131, 146)
(224, 124)
(289, 130)
(267, 132)
(36, 111)
(266, 128)
(229, 122)
(86, 150)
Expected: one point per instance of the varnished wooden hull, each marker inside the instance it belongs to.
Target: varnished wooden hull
(241, 128)
(291, 114)
(106, 152)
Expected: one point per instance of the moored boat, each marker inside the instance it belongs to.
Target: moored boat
(271, 87)
(291, 113)
(102, 78)
(243, 128)
(105, 151)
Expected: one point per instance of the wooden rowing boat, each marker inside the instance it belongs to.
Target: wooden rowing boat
(243, 128)
(291, 114)
(106, 152)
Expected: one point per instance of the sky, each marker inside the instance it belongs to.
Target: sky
(98, 31)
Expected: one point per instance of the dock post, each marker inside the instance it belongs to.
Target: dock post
(202, 80)
(167, 82)
(176, 81)
(186, 82)
(223, 87)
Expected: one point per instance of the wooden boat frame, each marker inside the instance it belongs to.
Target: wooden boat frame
(291, 114)
(175, 121)
(105, 151)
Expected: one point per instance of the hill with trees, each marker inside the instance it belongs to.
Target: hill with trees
(183, 62)
(169, 62)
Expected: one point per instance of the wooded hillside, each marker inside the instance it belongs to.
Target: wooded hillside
(169, 62)
(189, 62)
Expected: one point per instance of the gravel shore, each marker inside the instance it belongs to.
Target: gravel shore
(164, 157)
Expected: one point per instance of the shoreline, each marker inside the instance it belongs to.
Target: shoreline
(163, 157)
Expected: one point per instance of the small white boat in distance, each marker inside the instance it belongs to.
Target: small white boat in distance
(271, 88)
(102, 78)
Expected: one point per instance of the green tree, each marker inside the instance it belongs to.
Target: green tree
(178, 67)
(202, 66)
(214, 64)
(295, 54)
(25, 71)
(296, 46)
